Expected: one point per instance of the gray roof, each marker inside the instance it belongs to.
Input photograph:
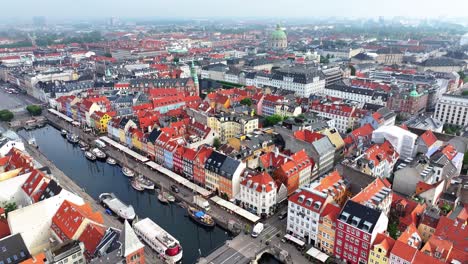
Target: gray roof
(299, 74)
(13, 249)
(221, 164)
(442, 61)
(361, 212)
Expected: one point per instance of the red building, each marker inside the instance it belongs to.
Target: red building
(199, 165)
(356, 229)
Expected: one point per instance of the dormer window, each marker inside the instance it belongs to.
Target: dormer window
(344, 216)
(355, 221)
(308, 202)
(367, 226)
(301, 198)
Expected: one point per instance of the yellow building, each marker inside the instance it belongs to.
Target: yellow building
(381, 248)
(326, 228)
(100, 121)
(428, 223)
(229, 126)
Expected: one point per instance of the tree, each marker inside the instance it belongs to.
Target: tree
(6, 115)
(216, 143)
(324, 60)
(246, 101)
(273, 120)
(462, 75)
(353, 70)
(393, 230)
(34, 110)
(9, 207)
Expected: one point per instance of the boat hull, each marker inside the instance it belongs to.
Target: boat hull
(194, 218)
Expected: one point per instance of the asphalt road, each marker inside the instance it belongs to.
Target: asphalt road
(15, 102)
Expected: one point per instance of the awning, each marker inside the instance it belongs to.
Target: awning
(317, 254)
(295, 240)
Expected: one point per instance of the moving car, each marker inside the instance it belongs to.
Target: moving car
(282, 215)
(175, 189)
(258, 228)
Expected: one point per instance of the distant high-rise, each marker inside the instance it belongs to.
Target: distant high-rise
(113, 21)
(464, 40)
(39, 21)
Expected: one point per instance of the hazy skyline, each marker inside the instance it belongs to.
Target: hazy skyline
(233, 8)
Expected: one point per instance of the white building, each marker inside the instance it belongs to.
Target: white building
(452, 109)
(357, 94)
(34, 221)
(302, 81)
(304, 209)
(402, 140)
(6, 144)
(258, 193)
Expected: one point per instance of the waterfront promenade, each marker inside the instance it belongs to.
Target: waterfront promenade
(70, 185)
(185, 195)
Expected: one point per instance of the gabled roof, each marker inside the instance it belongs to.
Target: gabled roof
(331, 211)
(428, 138)
(91, 237)
(384, 241)
(404, 251)
(69, 217)
(131, 243)
(259, 181)
(309, 200)
(32, 182)
(379, 185)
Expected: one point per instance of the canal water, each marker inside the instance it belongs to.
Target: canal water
(98, 177)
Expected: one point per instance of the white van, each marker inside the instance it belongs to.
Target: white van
(258, 228)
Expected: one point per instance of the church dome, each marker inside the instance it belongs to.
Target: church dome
(278, 34)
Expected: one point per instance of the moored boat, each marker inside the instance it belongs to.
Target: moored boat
(123, 210)
(72, 138)
(32, 142)
(90, 156)
(83, 145)
(136, 185)
(162, 199)
(99, 153)
(128, 172)
(111, 161)
(159, 240)
(169, 197)
(145, 182)
(200, 217)
(63, 133)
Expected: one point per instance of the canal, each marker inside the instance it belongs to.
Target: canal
(98, 177)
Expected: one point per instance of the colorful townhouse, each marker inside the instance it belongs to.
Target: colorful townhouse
(222, 174)
(356, 229)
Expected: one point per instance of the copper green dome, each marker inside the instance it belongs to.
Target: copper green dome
(278, 33)
(414, 93)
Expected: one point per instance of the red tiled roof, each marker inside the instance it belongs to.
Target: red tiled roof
(449, 151)
(385, 242)
(32, 182)
(423, 258)
(300, 198)
(262, 179)
(404, 251)
(4, 160)
(331, 211)
(307, 135)
(4, 228)
(373, 188)
(327, 183)
(91, 237)
(189, 154)
(69, 217)
(452, 229)
(428, 138)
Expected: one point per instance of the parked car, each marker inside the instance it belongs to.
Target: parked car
(175, 189)
(282, 215)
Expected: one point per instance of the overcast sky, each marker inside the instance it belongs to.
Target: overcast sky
(233, 8)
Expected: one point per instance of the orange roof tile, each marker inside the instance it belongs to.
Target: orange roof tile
(428, 138)
(262, 179)
(372, 189)
(69, 217)
(385, 241)
(404, 251)
(91, 237)
(37, 259)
